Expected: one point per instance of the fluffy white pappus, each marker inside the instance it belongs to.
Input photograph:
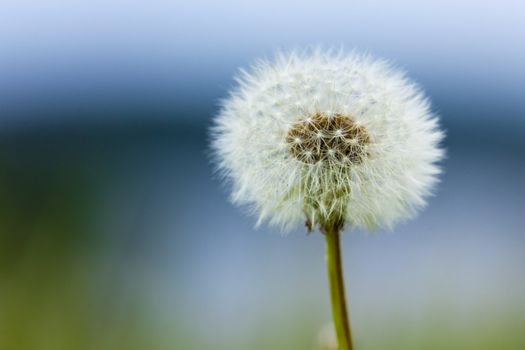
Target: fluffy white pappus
(327, 137)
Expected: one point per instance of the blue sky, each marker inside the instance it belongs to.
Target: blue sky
(181, 55)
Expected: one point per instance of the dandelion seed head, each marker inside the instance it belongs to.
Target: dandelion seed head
(328, 137)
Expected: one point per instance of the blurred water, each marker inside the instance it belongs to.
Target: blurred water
(134, 242)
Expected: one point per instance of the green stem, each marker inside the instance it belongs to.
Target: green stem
(337, 287)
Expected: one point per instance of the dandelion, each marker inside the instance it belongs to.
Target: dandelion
(332, 140)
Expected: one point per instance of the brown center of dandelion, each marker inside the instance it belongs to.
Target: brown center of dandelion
(328, 138)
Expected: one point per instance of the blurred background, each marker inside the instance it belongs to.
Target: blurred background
(114, 233)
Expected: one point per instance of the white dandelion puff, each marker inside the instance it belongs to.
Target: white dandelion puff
(328, 138)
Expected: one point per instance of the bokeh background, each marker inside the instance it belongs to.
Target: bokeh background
(114, 233)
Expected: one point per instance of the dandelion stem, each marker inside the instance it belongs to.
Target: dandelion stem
(337, 287)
